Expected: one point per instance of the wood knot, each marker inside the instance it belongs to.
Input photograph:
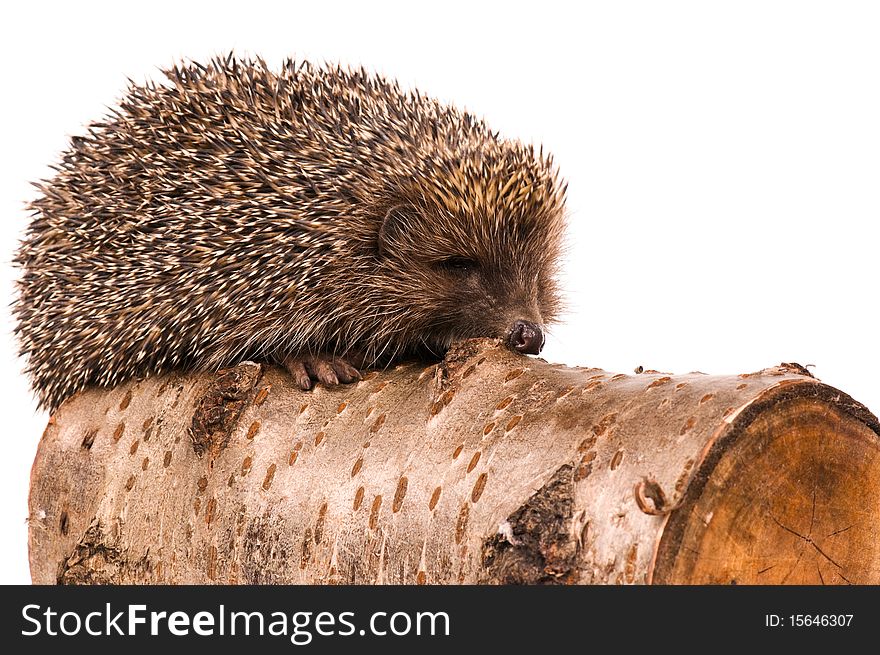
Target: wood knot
(219, 408)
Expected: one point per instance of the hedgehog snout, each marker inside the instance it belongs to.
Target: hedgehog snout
(526, 337)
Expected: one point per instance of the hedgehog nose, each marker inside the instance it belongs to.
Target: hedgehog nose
(526, 337)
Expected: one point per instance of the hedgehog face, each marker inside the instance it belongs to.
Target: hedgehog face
(471, 274)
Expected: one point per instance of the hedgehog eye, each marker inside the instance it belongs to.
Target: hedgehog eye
(458, 265)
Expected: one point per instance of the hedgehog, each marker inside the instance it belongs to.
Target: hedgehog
(319, 218)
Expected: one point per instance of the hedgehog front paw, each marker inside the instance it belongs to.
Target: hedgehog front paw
(326, 369)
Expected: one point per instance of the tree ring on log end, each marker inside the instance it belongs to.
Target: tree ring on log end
(784, 497)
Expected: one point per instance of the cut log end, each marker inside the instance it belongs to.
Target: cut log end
(792, 500)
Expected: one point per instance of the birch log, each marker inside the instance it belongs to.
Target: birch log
(488, 467)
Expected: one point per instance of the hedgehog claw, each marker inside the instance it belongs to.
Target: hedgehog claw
(297, 369)
(330, 371)
(345, 371)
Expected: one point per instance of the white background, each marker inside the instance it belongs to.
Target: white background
(723, 159)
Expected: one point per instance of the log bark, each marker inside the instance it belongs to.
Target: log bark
(488, 467)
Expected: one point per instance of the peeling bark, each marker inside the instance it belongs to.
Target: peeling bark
(96, 559)
(485, 468)
(534, 545)
(217, 411)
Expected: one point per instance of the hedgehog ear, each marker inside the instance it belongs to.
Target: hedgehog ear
(398, 221)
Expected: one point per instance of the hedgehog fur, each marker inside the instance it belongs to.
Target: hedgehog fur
(318, 214)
